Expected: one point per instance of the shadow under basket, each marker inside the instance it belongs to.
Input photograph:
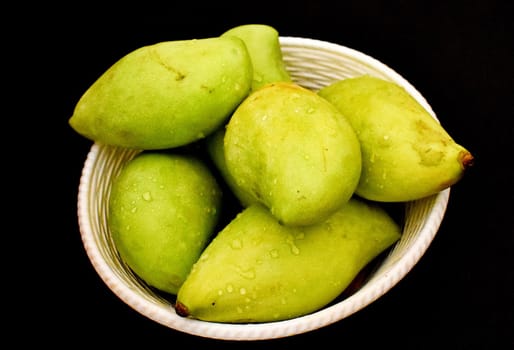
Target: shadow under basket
(312, 64)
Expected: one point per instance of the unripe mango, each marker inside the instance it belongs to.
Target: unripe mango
(257, 270)
(215, 149)
(167, 94)
(163, 209)
(406, 153)
(293, 152)
(263, 44)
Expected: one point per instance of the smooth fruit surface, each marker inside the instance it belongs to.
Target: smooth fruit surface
(406, 153)
(215, 149)
(262, 42)
(165, 95)
(257, 270)
(293, 152)
(162, 211)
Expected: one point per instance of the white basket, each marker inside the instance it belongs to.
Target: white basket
(312, 64)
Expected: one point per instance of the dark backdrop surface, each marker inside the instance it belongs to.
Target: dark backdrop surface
(458, 54)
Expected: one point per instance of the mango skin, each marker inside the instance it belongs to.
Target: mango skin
(165, 95)
(263, 44)
(293, 152)
(163, 209)
(406, 153)
(215, 150)
(257, 270)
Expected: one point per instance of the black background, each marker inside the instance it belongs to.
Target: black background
(458, 54)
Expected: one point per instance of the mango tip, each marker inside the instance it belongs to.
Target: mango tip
(181, 309)
(466, 159)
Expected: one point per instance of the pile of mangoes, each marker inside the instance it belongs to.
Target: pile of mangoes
(309, 169)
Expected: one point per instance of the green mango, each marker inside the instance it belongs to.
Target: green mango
(263, 44)
(215, 150)
(293, 152)
(163, 209)
(406, 153)
(166, 95)
(257, 270)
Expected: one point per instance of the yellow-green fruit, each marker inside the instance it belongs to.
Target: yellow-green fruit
(293, 152)
(257, 270)
(167, 94)
(263, 44)
(163, 209)
(406, 153)
(214, 144)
